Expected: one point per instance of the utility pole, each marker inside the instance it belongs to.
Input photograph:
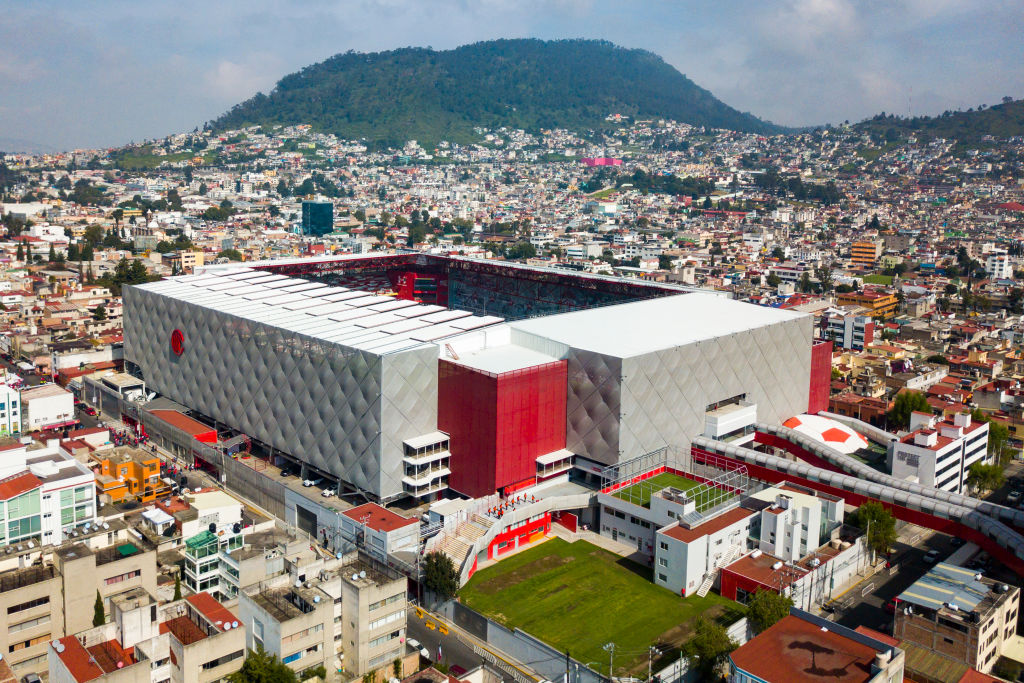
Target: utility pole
(651, 651)
(567, 667)
(610, 647)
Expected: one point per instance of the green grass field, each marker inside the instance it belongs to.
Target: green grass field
(640, 494)
(878, 279)
(577, 597)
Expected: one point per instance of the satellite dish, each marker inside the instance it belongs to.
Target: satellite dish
(234, 624)
(227, 626)
(362, 574)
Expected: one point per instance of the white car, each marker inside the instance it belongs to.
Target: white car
(327, 493)
(413, 643)
(1013, 496)
(311, 482)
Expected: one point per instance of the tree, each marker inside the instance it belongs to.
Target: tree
(982, 477)
(998, 434)
(118, 214)
(99, 314)
(230, 254)
(664, 262)
(907, 402)
(99, 616)
(52, 256)
(805, 282)
(778, 253)
(20, 255)
(177, 587)
(773, 280)
(262, 667)
(94, 234)
(824, 275)
(766, 607)
(440, 575)
(937, 359)
(708, 649)
(203, 189)
(396, 668)
(878, 523)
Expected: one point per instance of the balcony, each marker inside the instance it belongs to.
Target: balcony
(425, 476)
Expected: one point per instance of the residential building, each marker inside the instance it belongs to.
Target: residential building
(131, 473)
(10, 411)
(380, 532)
(957, 614)
(47, 406)
(203, 566)
(866, 252)
(847, 330)
(998, 265)
(292, 622)
(801, 647)
(55, 596)
(939, 453)
(373, 621)
(194, 640)
(880, 304)
(45, 495)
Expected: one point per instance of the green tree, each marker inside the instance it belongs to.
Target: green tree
(94, 234)
(766, 607)
(773, 280)
(906, 403)
(20, 255)
(778, 253)
(396, 668)
(937, 359)
(52, 256)
(664, 262)
(99, 314)
(177, 587)
(878, 523)
(99, 616)
(440, 576)
(203, 189)
(262, 667)
(230, 254)
(805, 282)
(117, 215)
(708, 649)
(982, 477)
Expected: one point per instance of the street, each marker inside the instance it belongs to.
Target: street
(454, 651)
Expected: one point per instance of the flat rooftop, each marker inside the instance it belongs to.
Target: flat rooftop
(946, 584)
(348, 317)
(501, 359)
(641, 327)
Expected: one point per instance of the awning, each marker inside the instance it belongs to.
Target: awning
(157, 516)
(555, 456)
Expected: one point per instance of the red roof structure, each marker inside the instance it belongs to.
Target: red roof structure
(18, 484)
(377, 518)
(197, 429)
(798, 651)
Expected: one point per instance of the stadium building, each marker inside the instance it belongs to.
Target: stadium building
(409, 374)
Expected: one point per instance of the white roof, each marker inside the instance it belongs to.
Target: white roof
(506, 358)
(357, 319)
(157, 516)
(641, 327)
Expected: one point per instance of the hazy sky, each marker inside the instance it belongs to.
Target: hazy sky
(77, 74)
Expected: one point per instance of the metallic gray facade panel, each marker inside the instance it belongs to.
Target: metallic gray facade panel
(622, 408)
(323, 403)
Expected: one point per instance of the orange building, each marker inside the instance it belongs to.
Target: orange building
(881, 304)
(130, 474)
(865, 252)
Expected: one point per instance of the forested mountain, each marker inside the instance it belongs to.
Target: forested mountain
(1002, 121)
(423, 94)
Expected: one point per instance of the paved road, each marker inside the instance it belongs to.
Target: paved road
(454, 651)
(868, 609)
(31, 379)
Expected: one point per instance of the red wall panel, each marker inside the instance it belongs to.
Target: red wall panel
(466, 411)
(499, 424)
(821, 377)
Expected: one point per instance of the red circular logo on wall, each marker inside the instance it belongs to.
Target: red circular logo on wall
(177, 342)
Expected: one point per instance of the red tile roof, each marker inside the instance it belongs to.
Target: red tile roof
(378, 518)
(214, 612)
(797, 651)
(681, 533)
(877, 635)
(182, 422)
(78, 661)
(18, 484)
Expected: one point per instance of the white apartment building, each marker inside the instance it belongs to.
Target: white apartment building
(47, 406)
(848, 331)
(45, 495)
(938, 453)
(998, 266)
(10, 411)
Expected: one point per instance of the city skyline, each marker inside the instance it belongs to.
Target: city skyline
(108, 75)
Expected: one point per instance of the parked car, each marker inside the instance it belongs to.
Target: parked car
(413, 643)
(457, 671)
(286, 472)
(327, 493)
(312, 482)
(1013, 496)
(956, 541)
(890, 606)
(932, 556)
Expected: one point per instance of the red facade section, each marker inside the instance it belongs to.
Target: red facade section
(821, 377)
(498, 424)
